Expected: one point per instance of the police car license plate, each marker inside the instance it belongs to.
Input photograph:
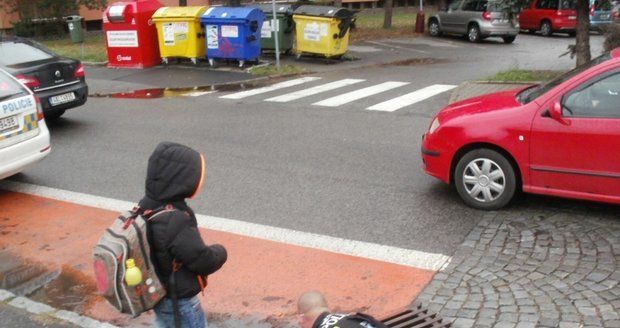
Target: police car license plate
(62, 99)
(8, 123)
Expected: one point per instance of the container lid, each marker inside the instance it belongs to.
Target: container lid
(280, 8)
(179, 12)
(324, 11)
(230, 13)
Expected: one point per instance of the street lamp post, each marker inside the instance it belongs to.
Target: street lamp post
(420, 19)
(274, 29)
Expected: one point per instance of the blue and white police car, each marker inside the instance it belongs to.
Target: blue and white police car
(24, 137)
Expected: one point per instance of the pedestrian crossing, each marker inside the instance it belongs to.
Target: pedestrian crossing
(300, 89)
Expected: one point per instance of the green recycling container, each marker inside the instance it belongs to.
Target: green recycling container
(285, 27)
(75, 28)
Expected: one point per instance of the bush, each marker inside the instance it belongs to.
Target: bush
(612, 39)
(40, 28)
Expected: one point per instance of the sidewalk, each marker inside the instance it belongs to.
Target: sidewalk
(259, 284)
(556, 267)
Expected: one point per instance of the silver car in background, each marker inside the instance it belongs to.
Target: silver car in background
(476, 19)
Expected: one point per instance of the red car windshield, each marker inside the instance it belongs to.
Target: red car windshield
(528, 95)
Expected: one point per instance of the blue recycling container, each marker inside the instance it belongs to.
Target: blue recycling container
(233, 33)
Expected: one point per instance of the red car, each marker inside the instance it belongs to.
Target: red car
(561, 138)
(549, 16)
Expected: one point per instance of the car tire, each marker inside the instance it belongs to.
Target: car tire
(546, 29)
(509, 39)
(433, 28)
(473, 33)
(53, 115)
(485, 179)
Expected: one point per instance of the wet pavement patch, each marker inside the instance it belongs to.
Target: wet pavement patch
(23, 276)
(72, 290)
(155, 93)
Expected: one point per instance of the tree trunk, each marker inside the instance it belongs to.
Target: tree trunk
(442, 5)
(387, 18)
(582, 45)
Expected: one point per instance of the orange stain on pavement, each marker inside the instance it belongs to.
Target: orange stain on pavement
(261, 278)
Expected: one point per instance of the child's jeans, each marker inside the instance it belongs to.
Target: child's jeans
(192, 315)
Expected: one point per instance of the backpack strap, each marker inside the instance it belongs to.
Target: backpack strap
(150, 215)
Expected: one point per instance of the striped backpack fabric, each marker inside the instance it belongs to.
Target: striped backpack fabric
(127, 239)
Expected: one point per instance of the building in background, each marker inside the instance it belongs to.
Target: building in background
(92, 18)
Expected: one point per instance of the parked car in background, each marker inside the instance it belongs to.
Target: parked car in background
(600, 14)
(59, 82)
(550, 16)
(615, 12)
(476, 19)
(561, 138)
(24, 138)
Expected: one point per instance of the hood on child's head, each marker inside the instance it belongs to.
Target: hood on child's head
(175, 172)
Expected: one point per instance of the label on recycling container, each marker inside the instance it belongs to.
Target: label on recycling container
(312, 32)
(324, 29)
(181, 27)
(230, 31)
(212, 37)
(266, 30)
(122, 39)
(168, 29)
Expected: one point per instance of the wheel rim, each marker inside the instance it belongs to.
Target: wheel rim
(473, 34)
(484, 180)
(434, 28)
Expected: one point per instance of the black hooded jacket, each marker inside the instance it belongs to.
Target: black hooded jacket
(174, 174)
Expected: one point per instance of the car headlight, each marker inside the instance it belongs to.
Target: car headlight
(434, 126)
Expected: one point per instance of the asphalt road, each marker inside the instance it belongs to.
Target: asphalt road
(342, 171)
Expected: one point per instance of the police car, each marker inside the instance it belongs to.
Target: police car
(24, 138)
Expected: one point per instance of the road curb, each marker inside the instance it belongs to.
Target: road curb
(38, 308)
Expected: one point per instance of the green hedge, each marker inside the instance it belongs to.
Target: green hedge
(40, 28)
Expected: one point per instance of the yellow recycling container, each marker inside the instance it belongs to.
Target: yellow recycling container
(322, 30)
(180, 33)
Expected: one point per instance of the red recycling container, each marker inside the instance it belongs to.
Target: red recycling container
(131, 36)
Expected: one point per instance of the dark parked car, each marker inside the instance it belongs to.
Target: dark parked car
(59, 82)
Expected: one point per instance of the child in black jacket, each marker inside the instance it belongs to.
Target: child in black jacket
(181, 258)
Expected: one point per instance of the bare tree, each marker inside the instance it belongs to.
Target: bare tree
(582, 45)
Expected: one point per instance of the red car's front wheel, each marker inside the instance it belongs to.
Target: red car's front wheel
(485, 179)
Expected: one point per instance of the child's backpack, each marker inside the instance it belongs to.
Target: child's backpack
(129, 289)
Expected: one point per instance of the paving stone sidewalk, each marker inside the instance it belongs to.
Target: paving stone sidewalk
(550, 269)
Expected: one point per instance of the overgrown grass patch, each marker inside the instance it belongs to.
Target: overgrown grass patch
(369, 24)
(94, 48)
(521, 75)
(269, 70)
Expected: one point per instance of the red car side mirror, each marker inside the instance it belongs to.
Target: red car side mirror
(556, 113)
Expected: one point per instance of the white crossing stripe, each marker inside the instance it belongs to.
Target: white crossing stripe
(359, 94)
(197, 93)
(314, 90)
(281, 85)
(411, 98)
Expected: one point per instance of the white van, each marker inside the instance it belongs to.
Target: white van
(24, 137)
